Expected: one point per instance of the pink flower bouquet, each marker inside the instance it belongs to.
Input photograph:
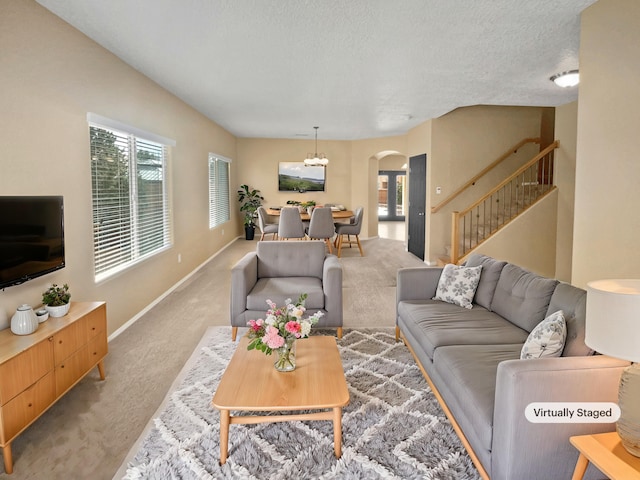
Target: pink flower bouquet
(281, 325)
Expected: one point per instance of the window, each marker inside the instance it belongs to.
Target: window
(131, 218)
(218, 190)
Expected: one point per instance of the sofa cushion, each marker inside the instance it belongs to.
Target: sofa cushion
(522, 297)
(281, 288)
(290, 259)
(573, 302)
(489, 276)
(547, 338)
(435, 324)
(470, 375)
(458, 285)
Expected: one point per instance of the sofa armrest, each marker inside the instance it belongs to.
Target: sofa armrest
(417, 283)
(244, 276)
(332, 287)
(519, 446)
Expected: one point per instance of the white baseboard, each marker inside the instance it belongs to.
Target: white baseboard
(137, 316)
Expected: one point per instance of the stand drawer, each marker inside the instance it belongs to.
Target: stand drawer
(26, 407)
(25, 369)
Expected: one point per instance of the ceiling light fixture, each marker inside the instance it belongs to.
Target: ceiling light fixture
(316, 160)
(570, 78)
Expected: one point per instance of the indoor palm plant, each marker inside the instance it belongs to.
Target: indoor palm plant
(250, 199)
(56, 300)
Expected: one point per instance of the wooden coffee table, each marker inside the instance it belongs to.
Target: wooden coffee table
(251, 383)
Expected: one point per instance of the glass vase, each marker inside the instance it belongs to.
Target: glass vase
(286, 356)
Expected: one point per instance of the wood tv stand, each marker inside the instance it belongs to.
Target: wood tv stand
(37, 369)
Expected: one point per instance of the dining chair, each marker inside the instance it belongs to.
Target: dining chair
(321, 226)
(266, 227)
(290, 225)
(348, 229)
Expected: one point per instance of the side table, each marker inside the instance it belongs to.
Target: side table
(606, 452)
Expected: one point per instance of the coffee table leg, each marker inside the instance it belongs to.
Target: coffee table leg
(337, 431)
(224, 435)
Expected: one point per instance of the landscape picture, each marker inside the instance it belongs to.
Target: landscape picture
(297, 177)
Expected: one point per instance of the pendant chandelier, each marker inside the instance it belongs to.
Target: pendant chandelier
(316, 159)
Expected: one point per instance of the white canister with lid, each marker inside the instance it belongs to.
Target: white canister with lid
(24, 321)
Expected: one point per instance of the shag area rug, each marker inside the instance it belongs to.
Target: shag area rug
(392, 428)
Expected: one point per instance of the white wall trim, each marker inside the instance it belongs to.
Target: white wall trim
(99, 120)
(137, 316)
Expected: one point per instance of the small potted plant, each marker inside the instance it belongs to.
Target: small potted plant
(56, 300)
(250, 200)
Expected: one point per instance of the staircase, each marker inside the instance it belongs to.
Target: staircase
(502, 204)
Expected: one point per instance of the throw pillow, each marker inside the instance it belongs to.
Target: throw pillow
(457, 284)
(547, 338)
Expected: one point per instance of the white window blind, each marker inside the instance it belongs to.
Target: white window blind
(218, 190)
(131, 218)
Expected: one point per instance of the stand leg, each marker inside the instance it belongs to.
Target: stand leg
(581, 467)
(224, 435)
(8, 459)
(101, 369)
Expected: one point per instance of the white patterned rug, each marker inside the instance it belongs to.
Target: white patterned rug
(393, 426)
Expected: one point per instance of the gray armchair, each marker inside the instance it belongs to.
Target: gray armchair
(277, 271)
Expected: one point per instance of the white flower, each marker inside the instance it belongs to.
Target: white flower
(270, 320)
(305, 328)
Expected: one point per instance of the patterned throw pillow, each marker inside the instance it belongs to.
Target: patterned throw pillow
(547, 339)
(458, 284)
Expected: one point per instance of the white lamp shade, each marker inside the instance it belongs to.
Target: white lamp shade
(613, 318)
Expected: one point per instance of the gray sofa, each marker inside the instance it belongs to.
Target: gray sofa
(280, 270)
(472, 358)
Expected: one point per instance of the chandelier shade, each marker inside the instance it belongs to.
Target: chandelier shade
(316, 159)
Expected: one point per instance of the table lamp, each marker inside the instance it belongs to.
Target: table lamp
(613, 328)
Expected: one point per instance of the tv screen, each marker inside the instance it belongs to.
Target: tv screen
(31, 238)
(297, 177)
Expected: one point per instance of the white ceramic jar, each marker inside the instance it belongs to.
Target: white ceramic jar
(24, 321)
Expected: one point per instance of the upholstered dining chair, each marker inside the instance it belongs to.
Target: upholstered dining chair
(290, 225)
(348, 229)
(321, 226)
(266, 227)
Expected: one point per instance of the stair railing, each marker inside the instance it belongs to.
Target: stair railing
(477, 177)
(494, 210)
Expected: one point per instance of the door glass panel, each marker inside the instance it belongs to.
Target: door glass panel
(400, 193)
(383, 195)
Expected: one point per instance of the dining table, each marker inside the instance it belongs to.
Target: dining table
(337, 214)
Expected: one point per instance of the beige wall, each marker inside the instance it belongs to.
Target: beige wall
(463, 143)
(606, 222)
(565, 177)
(258, 167)
(52, 75)
(516, 244)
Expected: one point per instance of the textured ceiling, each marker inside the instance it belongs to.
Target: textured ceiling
(356, 68)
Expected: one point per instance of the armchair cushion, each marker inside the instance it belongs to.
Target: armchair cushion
(278, 289)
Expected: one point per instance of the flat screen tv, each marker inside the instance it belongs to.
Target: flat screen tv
(298, 177)
(31, 238)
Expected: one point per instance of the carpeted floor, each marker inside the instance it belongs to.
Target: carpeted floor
(88, 432)
(392, 427)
